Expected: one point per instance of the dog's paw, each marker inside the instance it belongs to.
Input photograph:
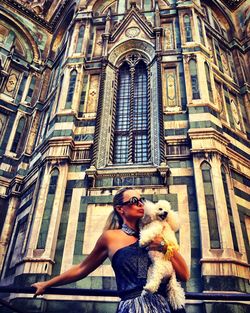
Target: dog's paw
(151, 288)
(142, 243)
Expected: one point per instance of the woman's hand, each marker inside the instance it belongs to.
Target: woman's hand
(158, 244)
(40, 288)
(179, 264)
(79, 271)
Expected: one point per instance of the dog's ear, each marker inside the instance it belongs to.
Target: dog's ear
(173, 220)
(164, 204)
(146, 219)
(148, 212)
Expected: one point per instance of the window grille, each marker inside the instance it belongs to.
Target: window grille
(188, 28)
(194, 79)
(72, 83)
(131, 135)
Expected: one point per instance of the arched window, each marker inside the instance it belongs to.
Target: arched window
(216, 25)
(57, 72)
(1, 126)
(21, 88)
(209, 86)
(31, 89)
(201, 31)
(80, 40)
(41, 244)
(71, 89)
(218, 55)
(229, 208)
(210, 206)
(131, 135)
(44, 126)
(242, 68)
(59, 93)
(194, 79)
(18, 135)
(235, 114)
(188, 28)
(204, 9)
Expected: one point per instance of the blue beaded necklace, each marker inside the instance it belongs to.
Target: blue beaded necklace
(129, 231)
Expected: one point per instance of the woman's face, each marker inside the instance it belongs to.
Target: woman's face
(131, 208)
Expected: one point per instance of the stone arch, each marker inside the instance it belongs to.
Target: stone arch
(205, 164)
(142, 46)
(108, 104)
(24, 33)
(221, 13)
(62, 28)
(225, 168)
(54, 167)
(112, 6)
(98, 5)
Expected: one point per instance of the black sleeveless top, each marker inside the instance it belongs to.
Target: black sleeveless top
(130, 265)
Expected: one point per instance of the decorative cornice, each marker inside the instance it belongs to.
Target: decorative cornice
(211, 133)
(224, 260)
(128, 171)
(40, 20)
(28, 13)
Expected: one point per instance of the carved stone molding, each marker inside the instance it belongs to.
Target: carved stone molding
(133, 44)
(132, 32)
(37, 11)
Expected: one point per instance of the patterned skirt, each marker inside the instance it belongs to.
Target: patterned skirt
(149, 303)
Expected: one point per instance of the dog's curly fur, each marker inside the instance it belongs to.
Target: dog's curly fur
(160, 220)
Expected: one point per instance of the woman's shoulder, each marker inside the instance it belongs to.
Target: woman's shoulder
(109, 236)
(111, 233)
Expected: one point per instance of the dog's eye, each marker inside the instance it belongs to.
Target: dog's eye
(160, 209)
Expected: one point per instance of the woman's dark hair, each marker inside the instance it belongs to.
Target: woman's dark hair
(114, 220)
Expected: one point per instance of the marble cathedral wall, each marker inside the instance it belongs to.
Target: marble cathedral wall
(60, 100)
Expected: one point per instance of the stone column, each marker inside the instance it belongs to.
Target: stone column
(236, 218)
(33, 132)
(78, 89)
(64, 90)
(38, 212)
(26, 88)
(86, 38)
(12, 134)
(56, 212)
(68, 253)
(73, 40)
(195, 29)
(220, 204)
(7, 227)
(202, 78)
(202, 211)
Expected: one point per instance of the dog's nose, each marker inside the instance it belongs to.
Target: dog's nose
(163, 215)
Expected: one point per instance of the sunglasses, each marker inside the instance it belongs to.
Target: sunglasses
(133, 200)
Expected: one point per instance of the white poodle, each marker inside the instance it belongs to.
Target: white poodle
(160, 220)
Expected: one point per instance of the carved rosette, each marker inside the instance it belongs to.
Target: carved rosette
(132, 32)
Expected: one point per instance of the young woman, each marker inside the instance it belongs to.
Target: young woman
(119, 243)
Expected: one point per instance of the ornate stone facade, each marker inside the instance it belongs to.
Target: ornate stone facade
(180, 120)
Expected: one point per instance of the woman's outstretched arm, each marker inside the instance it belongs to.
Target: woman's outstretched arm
(79, 271)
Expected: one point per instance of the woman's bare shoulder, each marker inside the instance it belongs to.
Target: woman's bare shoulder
(111, 234)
